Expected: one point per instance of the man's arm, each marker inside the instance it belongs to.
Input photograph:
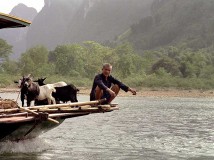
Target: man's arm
(98, 80)
(120, 84)
(123, 86)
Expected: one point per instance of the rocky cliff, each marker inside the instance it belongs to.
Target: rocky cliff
(67, 21)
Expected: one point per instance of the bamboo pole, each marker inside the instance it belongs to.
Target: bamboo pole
(35, 113)
(68, 104)
(69, 110)
(14, 115)
(18, 96)
(9, 110)
(53, 106)
(78, 110)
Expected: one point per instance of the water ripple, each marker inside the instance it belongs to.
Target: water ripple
(143, 128)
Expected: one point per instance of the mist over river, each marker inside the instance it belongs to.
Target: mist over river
(145, 128)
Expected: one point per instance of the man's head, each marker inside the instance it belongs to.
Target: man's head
(106, 70)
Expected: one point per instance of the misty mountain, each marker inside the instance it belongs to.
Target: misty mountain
(17, 36)
(67, 21)
(184, 23)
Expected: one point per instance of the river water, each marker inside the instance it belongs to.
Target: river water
(145, 128)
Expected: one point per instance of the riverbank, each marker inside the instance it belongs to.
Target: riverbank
(145, 92)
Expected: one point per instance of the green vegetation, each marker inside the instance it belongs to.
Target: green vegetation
(176, 44)
(171, 66)
(73, 63)
(187, 23)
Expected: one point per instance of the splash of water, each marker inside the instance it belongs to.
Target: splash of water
(25, 146)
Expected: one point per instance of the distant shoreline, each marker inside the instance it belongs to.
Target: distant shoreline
(145, 92)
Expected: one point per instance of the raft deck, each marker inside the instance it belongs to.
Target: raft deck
(29, 122)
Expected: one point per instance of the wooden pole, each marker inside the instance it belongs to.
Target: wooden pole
(18, 96)
(9, 110)
(68, 104)
(54, 106)
(35, 113)
(14, 115)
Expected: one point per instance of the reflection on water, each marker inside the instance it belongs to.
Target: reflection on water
(143, 128)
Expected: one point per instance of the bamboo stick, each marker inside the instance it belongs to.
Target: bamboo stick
(78, 110)
(67, 114)
(54, 106)
(68, 104)
(14, 115)
(35, 113)
(71, 110)
(9, 110)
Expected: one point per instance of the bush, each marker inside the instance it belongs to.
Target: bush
(6, 79)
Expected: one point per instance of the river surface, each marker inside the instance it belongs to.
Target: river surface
(145, 128)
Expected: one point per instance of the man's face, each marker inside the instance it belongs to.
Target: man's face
(106, 70)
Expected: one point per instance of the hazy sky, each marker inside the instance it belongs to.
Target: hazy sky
(7, 5)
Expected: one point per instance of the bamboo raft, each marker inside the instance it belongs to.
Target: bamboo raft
(18, 123)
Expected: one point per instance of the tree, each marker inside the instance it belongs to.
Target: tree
(69, 59)
(192, 63)
(97, 54)
(35, 61)
(169, 64)
(128, 62)
(5, 49)
(10, 67)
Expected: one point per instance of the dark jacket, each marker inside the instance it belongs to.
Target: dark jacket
(102, 83)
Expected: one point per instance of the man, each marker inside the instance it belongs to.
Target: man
(102, 85)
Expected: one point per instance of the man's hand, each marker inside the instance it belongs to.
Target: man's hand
(133, 91)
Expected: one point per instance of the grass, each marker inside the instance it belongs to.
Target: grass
(137, 81)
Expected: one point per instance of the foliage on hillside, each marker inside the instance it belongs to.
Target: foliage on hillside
(189, 23)
(78, 63)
